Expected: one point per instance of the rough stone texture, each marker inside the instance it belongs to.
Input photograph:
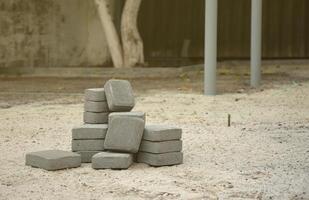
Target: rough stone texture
(95, 118)
(161, 147)
(164, 159)
(124, 134)
(140, 115)
(89, 131)
(96, 106)
(72, 38)
(161, 133)
(87, 145)
(95, 94)
(111, 160)
(53, 159)
(119, 95)
(87, 155)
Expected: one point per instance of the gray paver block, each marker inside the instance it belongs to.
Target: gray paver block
(53, 159)
(89, 131)
(164, 159)
(95, 94)
(161, 147)
(95, 118)
(111, 160)
(140, 115)
(87, 155)
(124, 134)
(119, 95)
(87, 145)
(161, 133)
(96, 106)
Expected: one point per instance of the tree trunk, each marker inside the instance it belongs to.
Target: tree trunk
(112, 37)
(133, 48)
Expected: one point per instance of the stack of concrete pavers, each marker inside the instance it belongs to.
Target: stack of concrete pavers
(110, 126)
(88, 139)
(125, 128)
(95, 109)
(161, 146)
(112, 136)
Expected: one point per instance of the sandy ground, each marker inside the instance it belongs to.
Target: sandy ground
(263, 155)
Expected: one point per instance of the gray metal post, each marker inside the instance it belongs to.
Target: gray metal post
(256, 42)
(211, 17)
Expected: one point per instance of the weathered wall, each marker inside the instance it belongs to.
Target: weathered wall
(51, 33)
(68, 33)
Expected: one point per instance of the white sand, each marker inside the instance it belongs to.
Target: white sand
(263, 155)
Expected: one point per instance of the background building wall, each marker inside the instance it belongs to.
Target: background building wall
(68, 33)
(51, 33)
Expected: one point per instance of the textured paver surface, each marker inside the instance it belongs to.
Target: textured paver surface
(111, 160)
(140, 115)
(161, 133)
(95, 94)
(161, 147)
(124, 134)
(87, 145)
(86, 156)
(95, 118)
(89, 131)
(96, 106)
(52, 160)
(158, 160)
(119, 95)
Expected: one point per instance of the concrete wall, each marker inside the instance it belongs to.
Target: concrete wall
(68, 33)
(51, 33)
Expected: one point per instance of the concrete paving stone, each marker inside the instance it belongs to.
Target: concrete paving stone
(119, 95)
(161, 147)
(124, 134)
(140, 115)
(53, 159)
(96, 106)
(87, 155)
(95, 94)
(89, 131)
(112, 160)
(159, 133)
(157, 160)
(95, 118)
(87, 145)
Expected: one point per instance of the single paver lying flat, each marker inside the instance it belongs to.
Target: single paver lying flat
(95, 118)
(87, 155)
(95, 94)
(96, 106)
(161, 133)
(53, 159)
(140, 115)
(124, 134)
(87, 145)
(164, 159)
(119, 95)
(161, 147)
(89, 131)
(111, 160)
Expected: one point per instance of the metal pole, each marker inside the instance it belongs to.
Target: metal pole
(211, 17)
(256, 42)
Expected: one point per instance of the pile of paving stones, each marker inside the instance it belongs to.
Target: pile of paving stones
(113, 137)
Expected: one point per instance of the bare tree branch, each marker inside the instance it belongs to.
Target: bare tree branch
(112, 37)
(133, 48)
